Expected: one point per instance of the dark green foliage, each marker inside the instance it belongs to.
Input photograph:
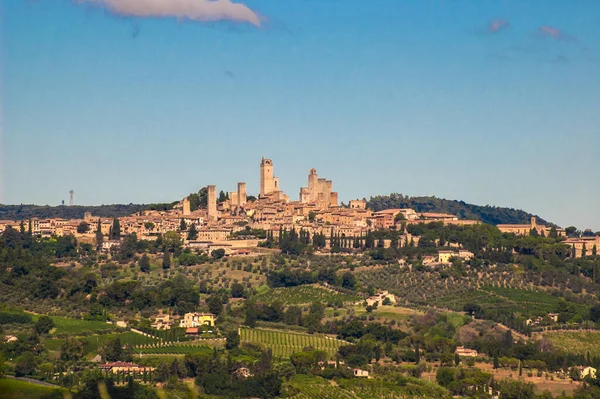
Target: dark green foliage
(14, 318)
(487, 214)
(166, 264)
(25, 364)
(72, 350)
(215, 304)
(83, 227)
(218, 253)
(237, 290)
(144, 264)
(192, 233)
(24, 212)
(233, 340)
(115, 231)
(44, 325)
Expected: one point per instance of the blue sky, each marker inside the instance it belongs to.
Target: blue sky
(491, 102)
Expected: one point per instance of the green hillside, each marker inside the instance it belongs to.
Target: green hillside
(487, 214)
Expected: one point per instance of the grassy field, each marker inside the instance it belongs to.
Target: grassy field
(15, 389)
(527, 302)
(284, 343)
(65, 325)
(304, 294)
(127, 338)
(319, 388)
(577, 342)
(93, 342)
(387, 313)
(182, 349)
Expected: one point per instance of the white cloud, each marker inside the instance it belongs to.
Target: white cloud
(198, 10)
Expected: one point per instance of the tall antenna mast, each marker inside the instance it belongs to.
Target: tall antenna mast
(71, 195)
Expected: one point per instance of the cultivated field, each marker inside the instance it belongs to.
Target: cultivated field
(556, 386)
(386, 313)
(319, 388)
(284, 343)
(15, 389)
(180, 349)
(578, 342)
(65, 325)
(304, 294)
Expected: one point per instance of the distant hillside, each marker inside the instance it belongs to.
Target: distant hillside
(20, 212)
(487, 214)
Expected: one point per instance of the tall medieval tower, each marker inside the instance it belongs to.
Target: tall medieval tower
(267, 181)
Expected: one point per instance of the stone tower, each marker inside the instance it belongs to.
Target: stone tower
(267, 181)
(233, 199)
(186, 206)
(212, 202)
(241, 194)
(313, 184)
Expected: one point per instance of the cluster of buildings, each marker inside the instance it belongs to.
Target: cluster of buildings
(220, 224)
(316, 211)
(580, 246)
(527, 229)
(192, 320)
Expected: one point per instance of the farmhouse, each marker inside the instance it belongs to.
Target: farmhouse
(380, 297)
(191, 320)
(465, 352)
(164, 321)
(588, 371)
(120, 367)
(361, 373)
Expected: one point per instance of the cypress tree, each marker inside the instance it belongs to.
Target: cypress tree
(166, 260)
(115, 232)
(192, 233)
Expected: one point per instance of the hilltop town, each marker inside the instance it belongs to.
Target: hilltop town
(235, 222)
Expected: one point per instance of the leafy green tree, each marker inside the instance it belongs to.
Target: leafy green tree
(144, 263)
(215, 304)
(25, 364)
(512, 389)
(237, 290)
(445, 376)
(44, 325)
(182, 225)
(83, 227)
(572, 231)
(171, 241)
(218, 253)
(349, 281)
(114, 351)
(71, 350)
